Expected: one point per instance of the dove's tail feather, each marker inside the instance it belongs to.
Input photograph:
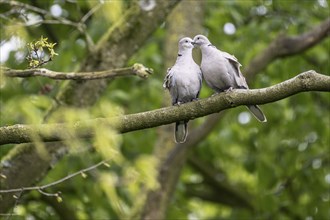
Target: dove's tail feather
(258, 114)
(181, 131)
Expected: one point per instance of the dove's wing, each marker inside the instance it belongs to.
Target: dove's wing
(168, 79)
(169, 83)
(235, 65)
(200, 79)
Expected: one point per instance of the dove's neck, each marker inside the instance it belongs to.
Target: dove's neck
(208, 50)
(183, 56)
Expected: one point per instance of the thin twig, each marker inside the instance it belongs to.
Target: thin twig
(41, 188)
(90, 12)
(80, 26)
(39, 11)
(15, 205)
(89, 40)
(27, 24)
(26, 6)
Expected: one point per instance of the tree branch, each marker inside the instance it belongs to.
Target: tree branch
(41, 188)
(307, 81)
(57, 20)
(222, 197)
(137, 69)
(186, 18)
(285, 46)
(220, 189)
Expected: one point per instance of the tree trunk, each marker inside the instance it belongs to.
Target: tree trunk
(184, 21)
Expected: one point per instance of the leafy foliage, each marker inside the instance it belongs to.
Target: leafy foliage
(282, 168)
(36, 56)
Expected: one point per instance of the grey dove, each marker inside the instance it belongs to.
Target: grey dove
(184, 81)
(221, 71)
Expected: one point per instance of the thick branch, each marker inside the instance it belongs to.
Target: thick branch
(284, 46)
(221, 197)
(307, 81)
(136, 69)
(219, 188)
(185, 19)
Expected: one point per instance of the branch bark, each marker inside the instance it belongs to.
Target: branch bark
(307, 81)
(137, 70)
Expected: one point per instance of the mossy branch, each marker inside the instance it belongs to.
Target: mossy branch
(307, 81)
(135, 70)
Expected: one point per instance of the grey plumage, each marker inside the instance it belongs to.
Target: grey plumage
(221, 71)
(184, 81)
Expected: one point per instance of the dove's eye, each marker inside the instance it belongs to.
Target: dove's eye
(186, 41)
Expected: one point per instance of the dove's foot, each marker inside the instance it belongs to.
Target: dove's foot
(178, 103)
(229, 89)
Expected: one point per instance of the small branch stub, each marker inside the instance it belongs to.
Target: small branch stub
(142, 71)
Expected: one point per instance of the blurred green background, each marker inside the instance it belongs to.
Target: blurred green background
(276, 170)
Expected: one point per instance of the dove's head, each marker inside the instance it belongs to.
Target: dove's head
(186, 43)
(201, 40)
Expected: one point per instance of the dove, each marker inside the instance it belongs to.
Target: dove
(221, 71)
(184, 82)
